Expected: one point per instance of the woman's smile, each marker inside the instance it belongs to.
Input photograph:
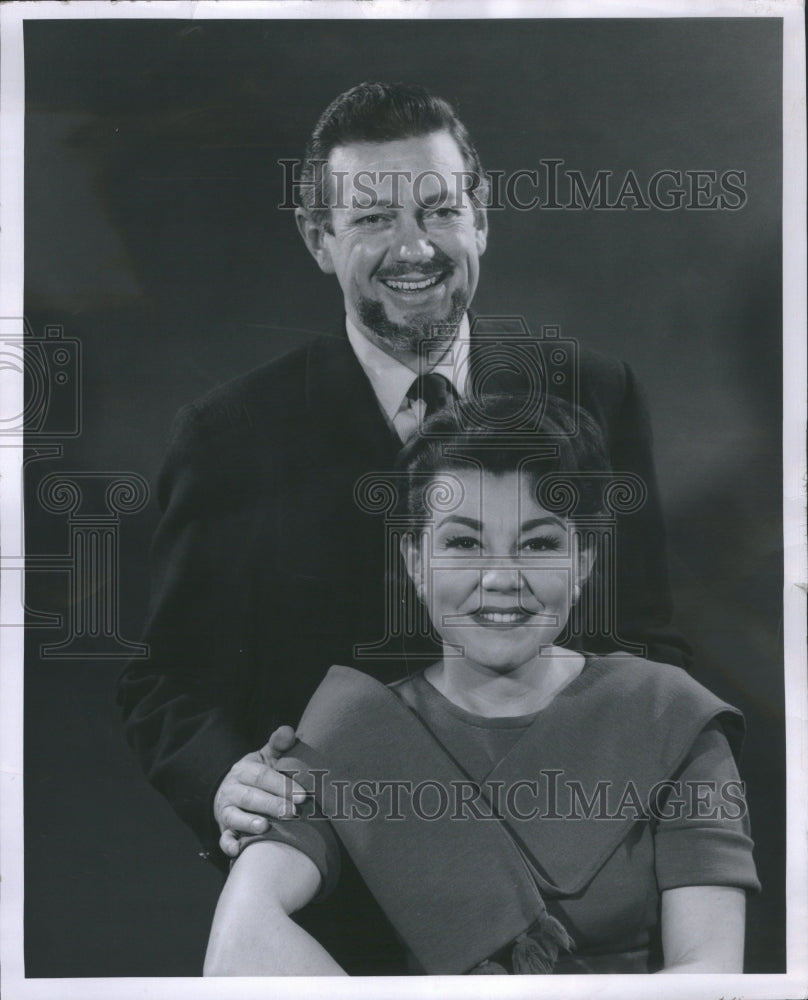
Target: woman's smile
(505, 617)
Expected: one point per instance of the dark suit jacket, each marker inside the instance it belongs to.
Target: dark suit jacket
(266, 572)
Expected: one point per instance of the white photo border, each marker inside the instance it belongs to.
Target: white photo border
(777, 987)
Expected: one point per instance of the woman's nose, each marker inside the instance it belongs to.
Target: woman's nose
(503, 578)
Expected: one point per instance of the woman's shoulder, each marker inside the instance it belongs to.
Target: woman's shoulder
(659, 697)
(347, 698)
(636, 675)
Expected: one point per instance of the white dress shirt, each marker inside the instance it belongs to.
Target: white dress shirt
(391, 380)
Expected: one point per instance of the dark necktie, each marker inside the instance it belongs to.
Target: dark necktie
(435, 390)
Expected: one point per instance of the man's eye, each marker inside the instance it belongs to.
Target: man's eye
(443, 213)
(373, 219)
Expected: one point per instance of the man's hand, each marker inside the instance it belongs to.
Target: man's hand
(253, 790)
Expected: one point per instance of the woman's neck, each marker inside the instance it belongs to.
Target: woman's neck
(492, 693)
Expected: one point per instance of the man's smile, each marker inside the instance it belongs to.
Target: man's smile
(412, 284)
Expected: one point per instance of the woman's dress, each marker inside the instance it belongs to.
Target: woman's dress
(466, 827)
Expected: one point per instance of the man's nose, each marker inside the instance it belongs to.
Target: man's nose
(411, 243)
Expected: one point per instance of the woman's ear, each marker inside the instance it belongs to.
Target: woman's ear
(411, 552)
(314, 236)
(585, 564)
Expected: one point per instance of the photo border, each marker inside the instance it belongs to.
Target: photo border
(792, 984)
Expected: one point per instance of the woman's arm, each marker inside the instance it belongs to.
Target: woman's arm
(703, 928)
(252, 932)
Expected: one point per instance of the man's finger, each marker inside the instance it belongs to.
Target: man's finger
(255, 800)
(230, 844)
(282, 740)
(265, 777)
(240, 821)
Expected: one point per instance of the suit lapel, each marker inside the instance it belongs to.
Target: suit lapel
(340, 399)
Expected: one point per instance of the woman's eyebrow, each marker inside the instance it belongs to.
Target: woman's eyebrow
(539, 522)
(468, 522)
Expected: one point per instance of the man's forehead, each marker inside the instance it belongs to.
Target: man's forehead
(366, 164)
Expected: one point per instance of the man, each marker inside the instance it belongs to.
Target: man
(267, 571)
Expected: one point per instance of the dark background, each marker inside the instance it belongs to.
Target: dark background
(152, 237)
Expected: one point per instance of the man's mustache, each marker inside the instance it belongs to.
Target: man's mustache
(430, 270)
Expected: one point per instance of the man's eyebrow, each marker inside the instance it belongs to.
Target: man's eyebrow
(442, 197)
(367, 202)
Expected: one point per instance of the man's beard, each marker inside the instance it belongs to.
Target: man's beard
(405, 337)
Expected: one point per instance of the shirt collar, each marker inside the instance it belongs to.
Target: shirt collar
(391, 379)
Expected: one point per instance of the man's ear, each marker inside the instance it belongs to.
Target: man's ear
(314, 237)
(481, 233)
(411, 551)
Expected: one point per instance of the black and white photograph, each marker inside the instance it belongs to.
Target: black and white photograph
(403, 499)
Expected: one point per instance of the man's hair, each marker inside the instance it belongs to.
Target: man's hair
(382, 112)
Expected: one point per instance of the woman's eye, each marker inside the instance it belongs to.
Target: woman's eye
(463, 542)
(544, 543)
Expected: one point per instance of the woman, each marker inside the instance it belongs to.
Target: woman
(516, 807)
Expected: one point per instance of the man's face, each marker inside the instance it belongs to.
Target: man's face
(406, 243)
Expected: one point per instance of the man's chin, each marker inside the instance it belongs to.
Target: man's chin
(405, 335)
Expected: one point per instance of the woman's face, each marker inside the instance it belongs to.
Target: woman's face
(497, 571)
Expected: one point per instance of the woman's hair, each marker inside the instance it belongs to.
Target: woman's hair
(565, 444)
